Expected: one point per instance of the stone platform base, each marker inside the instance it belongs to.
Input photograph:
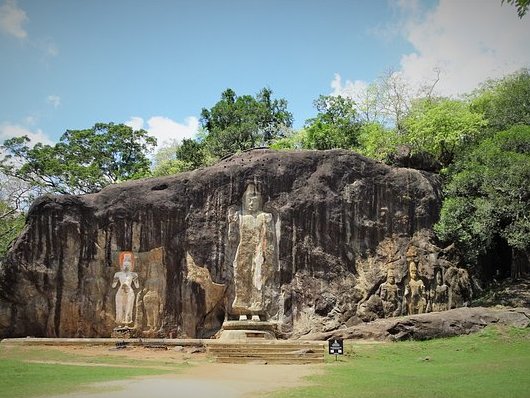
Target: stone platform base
(124, 333)
(248, 330)
(267, 352)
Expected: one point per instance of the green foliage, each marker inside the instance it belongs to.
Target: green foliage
(237, 123)
(488, 195)
(335, 126)
(177, 157)
(191, 152)
(292, 140)
(486, 364)
(11, 223)
(83, 161)
(522, 6)
(440, 127)
(376, 141)
(504, 102)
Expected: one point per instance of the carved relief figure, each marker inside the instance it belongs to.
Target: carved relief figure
(213, 292)
(390, 294)
(459, 287)
(255, 258)
(152, 301)
(440, 293)
(125, 294)
(414, 292)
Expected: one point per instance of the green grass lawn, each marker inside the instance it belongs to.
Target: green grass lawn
(492, 363)
(21, 378)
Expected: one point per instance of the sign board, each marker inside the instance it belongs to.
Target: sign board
(336, 347)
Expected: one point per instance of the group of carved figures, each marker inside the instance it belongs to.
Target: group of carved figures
(126, 296)
(416, 298)
(253, 264)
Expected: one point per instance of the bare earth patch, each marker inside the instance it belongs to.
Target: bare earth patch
(203, 379)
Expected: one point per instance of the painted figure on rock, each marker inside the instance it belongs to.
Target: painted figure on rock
(390, 295)
(255, 260)
(125, 294)
(414, 292)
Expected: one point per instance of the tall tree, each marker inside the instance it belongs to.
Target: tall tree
(83, 161)
(15, 196)
(336, 125)
(11, 223)
(237, 123)
(488, 198)
(504, 102)
(440, 127)
(377, 142)
(177, 157)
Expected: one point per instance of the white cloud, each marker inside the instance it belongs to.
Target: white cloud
(468, 41)
(165, 129)
(54, 100)
(355, 90)
(12, 19)
(8, 130)
(136, 123)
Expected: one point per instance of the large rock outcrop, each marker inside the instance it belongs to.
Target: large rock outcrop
(433, 325)
(333, 224)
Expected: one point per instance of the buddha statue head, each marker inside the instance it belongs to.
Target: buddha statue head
(252, 200)
(390, 276)
(413, 270)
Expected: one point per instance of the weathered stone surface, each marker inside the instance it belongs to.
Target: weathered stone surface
(431, 325)
(340, 222)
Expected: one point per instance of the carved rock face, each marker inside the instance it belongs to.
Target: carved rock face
(333, 222)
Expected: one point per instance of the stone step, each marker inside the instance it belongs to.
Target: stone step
(237, 350)
(265, 360)
(264, 347)
(267, 352)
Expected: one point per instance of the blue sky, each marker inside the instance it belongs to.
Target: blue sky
(67, 64)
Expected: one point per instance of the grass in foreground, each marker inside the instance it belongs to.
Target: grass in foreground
(21, 378)
(491, 363)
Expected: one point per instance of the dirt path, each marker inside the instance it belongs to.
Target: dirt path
(202, 379)
(207, 380)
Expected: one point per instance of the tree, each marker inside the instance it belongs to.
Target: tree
(377, 142)
(440, 127)
(335, 126)
(522, 6)
(504, 102)
(191, 152)
(488, 197)
(83, 161)
(15, 196)
(11, 223)
(393, 95)
(294, 139)
(237, 123)
(177, 157)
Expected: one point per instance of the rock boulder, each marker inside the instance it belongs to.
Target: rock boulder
(340, 222)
